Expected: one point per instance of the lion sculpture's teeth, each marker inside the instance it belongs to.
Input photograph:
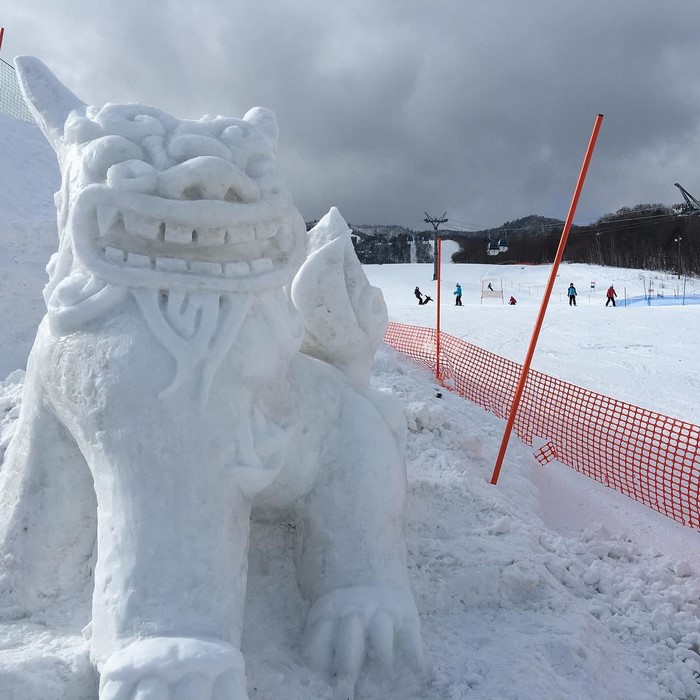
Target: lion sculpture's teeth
(131, 240)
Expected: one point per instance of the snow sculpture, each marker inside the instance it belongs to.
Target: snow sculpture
(181, 378)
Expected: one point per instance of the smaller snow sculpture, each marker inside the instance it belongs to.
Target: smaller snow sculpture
(166, 397)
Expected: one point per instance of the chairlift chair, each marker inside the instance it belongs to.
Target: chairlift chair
(493, 248)
(503, 244)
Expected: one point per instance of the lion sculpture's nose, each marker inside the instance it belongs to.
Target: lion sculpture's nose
(208, 177)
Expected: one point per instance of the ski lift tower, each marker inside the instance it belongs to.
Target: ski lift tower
(691, 206)
(435, 222)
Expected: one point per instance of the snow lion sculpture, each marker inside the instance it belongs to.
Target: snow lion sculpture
(183, 375)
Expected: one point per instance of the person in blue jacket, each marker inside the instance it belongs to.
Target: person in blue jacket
(571, 293)
(458, 294)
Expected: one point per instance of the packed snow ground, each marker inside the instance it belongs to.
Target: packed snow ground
(645, 355)
(546, 587)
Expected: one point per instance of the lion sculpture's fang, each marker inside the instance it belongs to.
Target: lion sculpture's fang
(190, 368)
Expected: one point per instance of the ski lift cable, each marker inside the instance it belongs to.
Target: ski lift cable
(557, 226)
(616, 226)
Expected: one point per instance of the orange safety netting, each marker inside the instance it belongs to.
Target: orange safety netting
(646, 455)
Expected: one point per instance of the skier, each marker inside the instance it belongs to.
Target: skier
(512, 301)
(422, 299)
(571, 293)
(458, 294)
(490, 287)
(611, 294)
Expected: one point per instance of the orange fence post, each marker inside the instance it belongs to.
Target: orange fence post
(437, 322)
(2, 34)
(545, 300)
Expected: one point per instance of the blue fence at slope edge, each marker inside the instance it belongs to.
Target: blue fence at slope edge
(687, 300)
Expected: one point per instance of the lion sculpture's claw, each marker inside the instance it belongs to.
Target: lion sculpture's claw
(348, 626)
(174, 669)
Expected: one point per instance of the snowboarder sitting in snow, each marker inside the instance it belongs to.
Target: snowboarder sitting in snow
(610, 294)
(421, 298)
(458, 294)
(512, 301)
(571, 293)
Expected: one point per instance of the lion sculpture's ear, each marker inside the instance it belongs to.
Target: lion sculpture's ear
(266, 122)
(48, 99)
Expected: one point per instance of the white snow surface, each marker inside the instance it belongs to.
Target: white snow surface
(545, 587)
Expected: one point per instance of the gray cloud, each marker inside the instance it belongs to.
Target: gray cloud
(387, 108)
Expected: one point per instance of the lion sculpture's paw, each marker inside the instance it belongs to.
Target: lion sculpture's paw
(165, 668)
(348, 626)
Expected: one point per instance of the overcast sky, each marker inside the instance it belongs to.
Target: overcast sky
(389, 108)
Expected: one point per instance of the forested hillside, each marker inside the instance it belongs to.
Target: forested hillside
(644, 236)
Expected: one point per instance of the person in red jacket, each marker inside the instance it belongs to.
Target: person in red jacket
(611, 294)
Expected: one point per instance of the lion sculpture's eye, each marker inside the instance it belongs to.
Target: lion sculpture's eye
(101, 154)
(133, 175)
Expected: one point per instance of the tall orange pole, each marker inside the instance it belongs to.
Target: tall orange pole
(2, 34)
(437, 323)
(545, 300)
